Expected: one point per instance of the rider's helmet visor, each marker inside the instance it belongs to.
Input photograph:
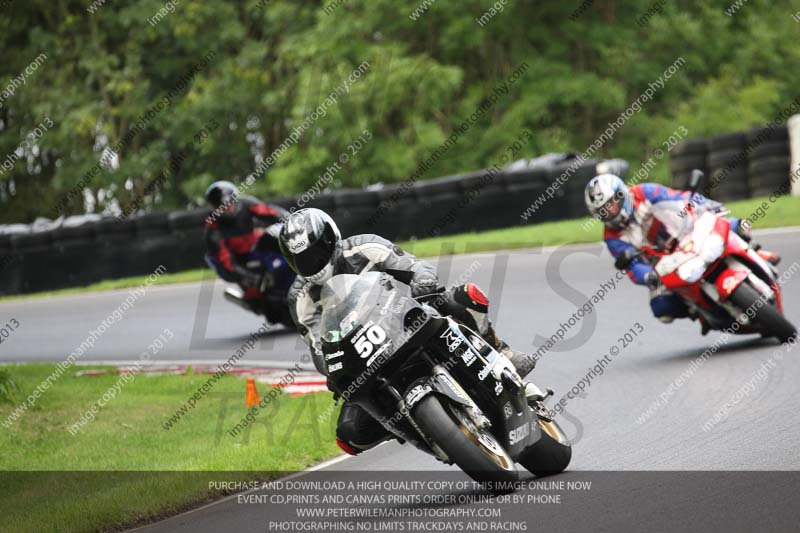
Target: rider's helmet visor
(314, 258)
(611, 209)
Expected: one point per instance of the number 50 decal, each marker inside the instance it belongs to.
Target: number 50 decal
(366, 342)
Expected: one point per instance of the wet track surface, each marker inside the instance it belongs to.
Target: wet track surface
(532, 292)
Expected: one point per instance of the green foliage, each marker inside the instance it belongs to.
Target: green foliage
(276, 61)
(8, 387)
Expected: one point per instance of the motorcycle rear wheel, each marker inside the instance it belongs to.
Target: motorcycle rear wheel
(767, 316)
(551, 454)
(475, 451)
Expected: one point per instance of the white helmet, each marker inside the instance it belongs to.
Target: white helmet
(308, 241)
(608, 200)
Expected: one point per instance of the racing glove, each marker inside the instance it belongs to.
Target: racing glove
(744, 231)
(652, 280)
(423, 285)
(707, 205)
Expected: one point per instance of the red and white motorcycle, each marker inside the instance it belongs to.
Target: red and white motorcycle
(719, 275)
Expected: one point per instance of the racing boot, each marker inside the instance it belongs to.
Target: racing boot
(770, 257)
(357, 431)
(535, 395)
(743, 230)
(524, 363)
(468, 304)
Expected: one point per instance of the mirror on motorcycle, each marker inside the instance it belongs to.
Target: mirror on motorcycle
(625, 259)
(696, 180)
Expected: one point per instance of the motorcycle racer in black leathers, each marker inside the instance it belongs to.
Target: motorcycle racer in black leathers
(237, 225)
(312, 244)
(241, 235)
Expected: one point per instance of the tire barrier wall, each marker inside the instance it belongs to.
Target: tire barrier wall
(737, 165)
(82, 251)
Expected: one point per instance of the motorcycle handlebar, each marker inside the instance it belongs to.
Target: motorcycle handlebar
(438, 292)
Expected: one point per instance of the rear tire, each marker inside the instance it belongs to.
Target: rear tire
(549, 455)
(463, 447)
(767, 316)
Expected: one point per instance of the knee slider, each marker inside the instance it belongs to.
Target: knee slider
(667, 307)
(357, 430)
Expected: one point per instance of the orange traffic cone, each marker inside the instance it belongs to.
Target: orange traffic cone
(251, 398)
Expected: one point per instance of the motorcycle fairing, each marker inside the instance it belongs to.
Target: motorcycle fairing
(481, 372)
(459, 371)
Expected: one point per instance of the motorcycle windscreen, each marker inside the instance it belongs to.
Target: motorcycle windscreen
(677, 223)
(364, 314)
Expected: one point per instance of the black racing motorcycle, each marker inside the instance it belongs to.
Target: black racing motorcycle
(434, 383)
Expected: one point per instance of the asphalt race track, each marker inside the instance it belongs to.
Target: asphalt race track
(532, 291)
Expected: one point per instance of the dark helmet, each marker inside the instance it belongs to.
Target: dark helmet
(221, 193)
(308, 240)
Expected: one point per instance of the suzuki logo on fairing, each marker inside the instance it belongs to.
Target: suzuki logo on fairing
(453, 341)
(519, 434)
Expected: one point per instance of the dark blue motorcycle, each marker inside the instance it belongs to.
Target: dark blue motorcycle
(269, 298)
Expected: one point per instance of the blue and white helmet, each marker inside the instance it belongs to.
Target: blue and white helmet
(609, 201)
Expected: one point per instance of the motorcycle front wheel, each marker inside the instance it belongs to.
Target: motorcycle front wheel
(767, 316)
(551, 454)
(474, 450)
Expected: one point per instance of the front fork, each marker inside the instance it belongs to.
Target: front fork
(736, 274)
(443, 383)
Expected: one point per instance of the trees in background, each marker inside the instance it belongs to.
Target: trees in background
(208, 90)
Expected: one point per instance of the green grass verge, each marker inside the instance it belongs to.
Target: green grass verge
(784, 212)
(124, 467)
(121, 283)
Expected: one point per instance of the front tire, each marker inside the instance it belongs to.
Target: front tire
(767, 317)
(476, 452)
(551, 454)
